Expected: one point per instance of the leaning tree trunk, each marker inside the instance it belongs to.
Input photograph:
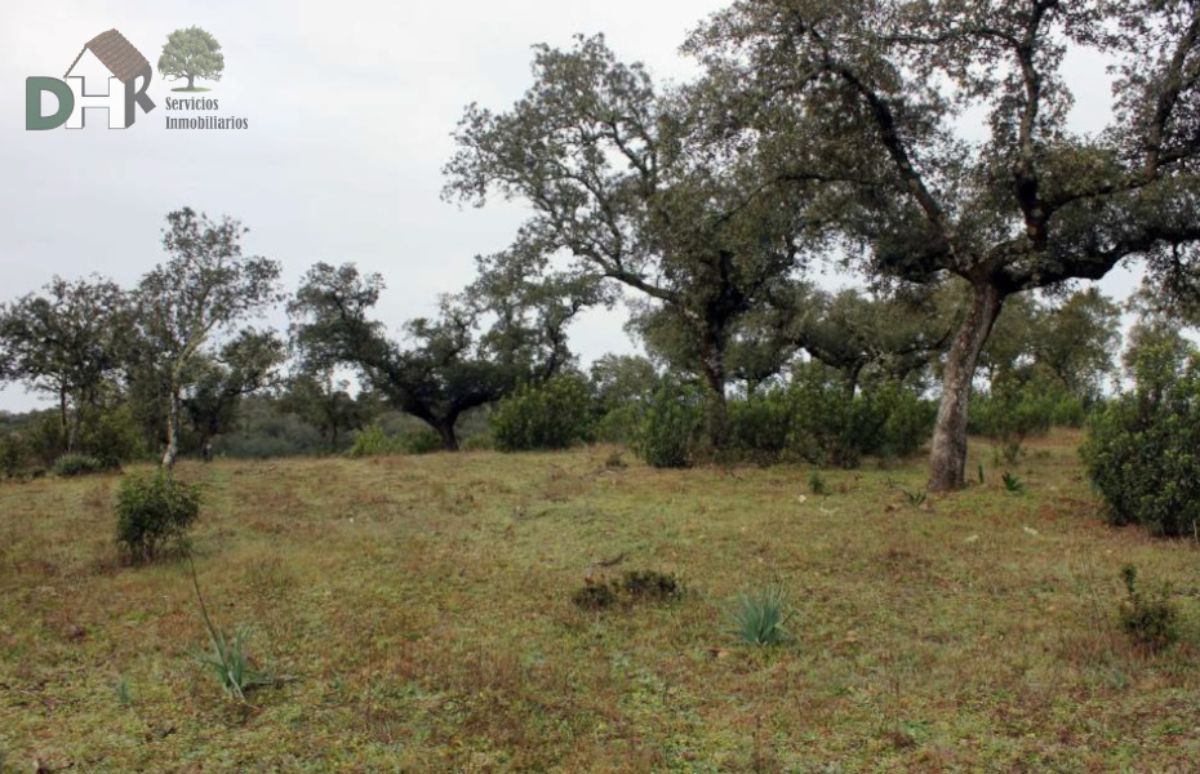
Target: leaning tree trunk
(172, 451)
(948, 460)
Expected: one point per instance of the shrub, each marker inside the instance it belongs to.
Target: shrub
(670, 427)
(759, 617)
(374, 442)
(1150, 620)
(70, 465)
(112, 436)
(620, 425)
(153, 510)
(1143, 450)
(421, 441)
(553, 415)
(759, 425)
(12, 455)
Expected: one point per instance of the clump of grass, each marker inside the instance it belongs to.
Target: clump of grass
(1013, 484)
(124, 695)
(1151, 620)
(817, 485)
(915, 499)
(759, 616)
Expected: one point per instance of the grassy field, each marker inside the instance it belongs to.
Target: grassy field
(420, 609)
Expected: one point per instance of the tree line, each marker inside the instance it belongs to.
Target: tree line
(816, 135)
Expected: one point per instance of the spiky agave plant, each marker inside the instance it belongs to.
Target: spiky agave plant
(759, 617)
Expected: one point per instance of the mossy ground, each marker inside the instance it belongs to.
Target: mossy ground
(421, 607)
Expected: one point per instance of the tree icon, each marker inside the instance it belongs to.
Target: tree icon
(191, 53)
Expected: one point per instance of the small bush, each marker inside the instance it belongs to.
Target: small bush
(70, 465)
(554, 415)
(817, 485)
(153, 511)
(1013, 484)
(12, 455)
(759, 617)
(1143, 450)
(374, 442)
(422, 441)
(670, 427)
(1151, 620)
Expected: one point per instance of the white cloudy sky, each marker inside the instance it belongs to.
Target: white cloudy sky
(351, 104)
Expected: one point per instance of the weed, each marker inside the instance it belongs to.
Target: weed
(817, 485)
(759, 617)
(1151, 620)
(228, 657)
(915, 499)
(1013, 484)
(982, 480)
(124, 694)
(614, 461)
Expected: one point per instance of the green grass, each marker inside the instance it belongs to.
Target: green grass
(421, 608)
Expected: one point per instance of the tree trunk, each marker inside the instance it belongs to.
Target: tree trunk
(191, 81)
(172, 451)
(717, 414)
(948, 460)
(65, 436)
(445, 429)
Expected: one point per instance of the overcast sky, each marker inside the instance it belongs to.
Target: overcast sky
(350, 107)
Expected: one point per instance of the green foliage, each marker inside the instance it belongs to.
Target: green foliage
(1020, 406)
(70, 465)
(1143, 450)
(759, 617)
(670, 427)
(374, 442)
(817, 485)
(619, 425)
(12, 454)
(553, 415)
(1151, 620)
(421, 441)
(153, 510)
(1012, 484)
(760, 426)
(113, 436)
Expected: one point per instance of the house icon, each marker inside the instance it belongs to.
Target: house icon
(105, 76)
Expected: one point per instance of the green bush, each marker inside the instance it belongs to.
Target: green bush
(70, 465)
(12, 455)
(153, 511)
(554, 415)
(759, 426)
(1151, 620)
(374, 442)
(1143, 449)
(670, 427)
(112, 436)
(619, 425)
(421, 441)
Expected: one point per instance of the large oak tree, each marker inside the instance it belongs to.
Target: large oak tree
(875, 92)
